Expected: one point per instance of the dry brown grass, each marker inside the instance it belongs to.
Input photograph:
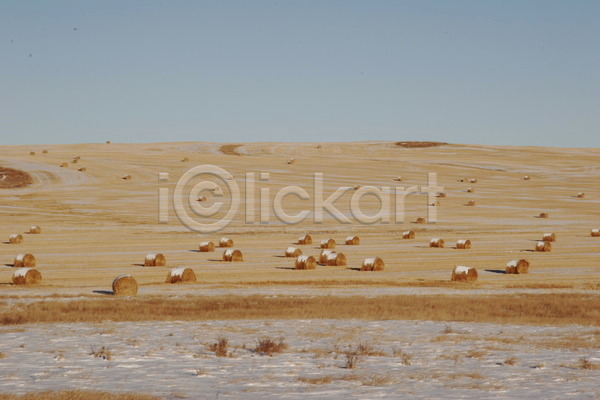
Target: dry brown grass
(103, 353)
(510, 361)
(14, 178)
(555, 309)
(319, 380)
(221, 347)
(268, 346)
(77, 395)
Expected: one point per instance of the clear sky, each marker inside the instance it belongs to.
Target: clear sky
(512, 72)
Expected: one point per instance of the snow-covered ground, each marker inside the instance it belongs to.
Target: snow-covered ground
(412, 359)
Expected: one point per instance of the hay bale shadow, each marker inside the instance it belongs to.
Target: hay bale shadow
(280, 256)
(528, 250)
(495, 271)
(138, 265)
(195, 251)
(354, 269)
(9, 265)
(285, 268)
(6, 242)
(214, 259)
(106, 292)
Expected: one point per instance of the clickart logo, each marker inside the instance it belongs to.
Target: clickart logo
(207, 198)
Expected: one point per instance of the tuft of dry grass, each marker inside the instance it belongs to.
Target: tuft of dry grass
(584, 363)
(510, 361)
(319, 380)
(221, 347)
(352, 358)
(77, 395)
(268, 346)
(404, 357)
(2, 355)
(476, 353)
(554, 309)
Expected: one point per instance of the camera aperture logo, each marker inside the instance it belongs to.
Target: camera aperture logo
(207, 199)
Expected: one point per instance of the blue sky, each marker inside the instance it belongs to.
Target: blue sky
(482, 72)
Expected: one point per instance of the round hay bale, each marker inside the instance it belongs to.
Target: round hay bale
(441, 195)
(305, 262)
(293, 252)
(24, 261)
(408, 235)
(44, 151)
(323, 256)
(108, 142)
(471, 203)
(461, 179)
(155, 260)
(543, 246)
(77, 158)
(74, 161)
(473, 180)
(232, 255)
(352, 241)
(544, 215)
(470, 190)
(125, 285)
(517, 267)
(225, 242)
(581, 195)
(435, 204)
(201, 198)
(306, 239)
(420, 220)
(82, 169)
(595, 233)
(206, 247)
(549, 237)
(26, 276)
(185, 159)
(177, 275)
(64, 165)
(126, 177)
(15, 238)
(328, 244)
(526, 178)
(372, 264)
(463, 244)
(356, 187)
(291, 161)
(35, 230)
(336, 259)
(32, 153)
(436, 242)
(398, 179)
(463, 274)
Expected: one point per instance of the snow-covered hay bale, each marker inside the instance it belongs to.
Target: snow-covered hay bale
(470, 190)
(291, 161)
(463, 274)
(126, 177)
(64, 165)
(293, 252)
(328, 244)
(26, 276)
(305, 262)
(471, 203)
(232, 255)
(206, 247)
(185, 159)
(177, 275)
(336, 259)
(15, 238)
(82, 169)
(398, 179)
(125, 285)
(441, 195)
(517, 267)
(463, 244)
(581, 195)
(352, 241)
(543, 246)
(306, 239)
(526, 178)
(436, 242)
(225, 242)
(372, 264)
(35, 230)
(323, 256)
(408, 235)
(595, 233)
(473, 180)
(155, 260)
(24, 261)
(549, 237)
(544, 215)
(420, 220)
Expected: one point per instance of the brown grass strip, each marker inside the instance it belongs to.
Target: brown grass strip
(230, 149)
(14, 178)
(542, 309)
(77, 395)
